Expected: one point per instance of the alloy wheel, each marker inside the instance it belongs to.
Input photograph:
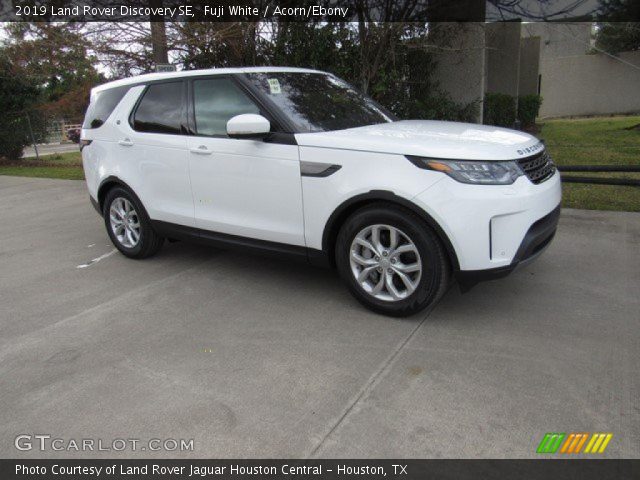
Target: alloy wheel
(385, 262)
(125, 223)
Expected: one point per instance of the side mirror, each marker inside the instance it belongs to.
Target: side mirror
(248, 125)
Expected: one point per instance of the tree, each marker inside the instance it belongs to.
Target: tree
(615, 33)
(394, 65)
(124, 48)
(217, 44)
(56, 61)
(56, 56)
(16, 94)
(616, 37)
(324, 46)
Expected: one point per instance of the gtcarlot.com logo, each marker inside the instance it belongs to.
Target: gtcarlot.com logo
(45, 442)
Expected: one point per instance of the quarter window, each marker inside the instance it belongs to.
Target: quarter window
(102, 106)
(160, 110)
(216, 101)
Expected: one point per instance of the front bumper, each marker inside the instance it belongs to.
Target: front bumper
(536, 240)
(493, 228)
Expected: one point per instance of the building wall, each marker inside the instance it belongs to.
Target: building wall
(590, 85)
(460, 61)
(475, 58)
(503, 57)
(529, 65)
(560, 39)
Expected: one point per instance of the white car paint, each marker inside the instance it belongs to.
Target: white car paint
(247, 188)
(427, 138)
(154, 165)
(371, 160)
(248, 123)
(254, 189)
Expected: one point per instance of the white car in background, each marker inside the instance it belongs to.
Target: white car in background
(295, 161)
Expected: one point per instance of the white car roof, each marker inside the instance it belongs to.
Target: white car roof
(149, 77)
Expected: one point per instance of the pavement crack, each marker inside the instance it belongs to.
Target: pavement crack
(369, 385)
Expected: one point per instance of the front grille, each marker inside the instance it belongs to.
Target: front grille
(538, 168)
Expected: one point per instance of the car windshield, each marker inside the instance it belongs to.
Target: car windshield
(318, 102)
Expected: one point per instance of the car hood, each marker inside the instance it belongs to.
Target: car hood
(429, 138)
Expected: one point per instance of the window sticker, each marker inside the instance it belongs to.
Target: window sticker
(274, 86)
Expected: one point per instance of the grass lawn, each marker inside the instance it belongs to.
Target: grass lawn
(60, 165)
(588, 141)
(596, 141)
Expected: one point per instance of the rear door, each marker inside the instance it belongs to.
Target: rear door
(153, 143)
(244, 187)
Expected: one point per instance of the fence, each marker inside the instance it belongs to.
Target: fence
(32, 128)
(601, 180)
(56, 130)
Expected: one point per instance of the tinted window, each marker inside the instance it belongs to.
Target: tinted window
(217, 100)
(102, 105)
(318, 102)
(160, 110)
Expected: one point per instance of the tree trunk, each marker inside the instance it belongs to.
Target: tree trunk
(158, 35)
(159, 42)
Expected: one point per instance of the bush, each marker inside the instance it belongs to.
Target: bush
(437, 106)
(16, 93)
(443, 108)
(528, 108)
(499, 110)
(14, 136)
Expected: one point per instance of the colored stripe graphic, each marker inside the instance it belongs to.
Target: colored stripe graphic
(550, 442)
(581, 442)
(598, 443)
(572, 443)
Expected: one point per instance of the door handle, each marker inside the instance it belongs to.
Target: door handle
(201, 150)
(126, 142)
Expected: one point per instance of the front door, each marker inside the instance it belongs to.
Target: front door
(249, 188)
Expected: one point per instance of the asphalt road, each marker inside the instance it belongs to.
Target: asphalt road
(254, 357)
(50, 149)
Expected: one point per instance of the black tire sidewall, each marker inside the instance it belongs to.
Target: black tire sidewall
(432, 256)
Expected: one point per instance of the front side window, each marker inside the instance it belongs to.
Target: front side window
(216, 101)
(102, 106)
(318, 102)
(161, 109)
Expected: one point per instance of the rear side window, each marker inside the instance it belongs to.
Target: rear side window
(161, 109)
(216, 100)
(102, 105)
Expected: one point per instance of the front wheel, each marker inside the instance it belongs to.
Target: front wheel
(391, 260)
(128, 224)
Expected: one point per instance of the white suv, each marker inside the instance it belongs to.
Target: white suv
(295, 161)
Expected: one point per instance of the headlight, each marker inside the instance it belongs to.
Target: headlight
(477, 172)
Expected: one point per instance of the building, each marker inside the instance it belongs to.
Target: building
(555, 60)
(575, 79)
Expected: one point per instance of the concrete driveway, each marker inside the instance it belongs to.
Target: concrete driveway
(254, 357)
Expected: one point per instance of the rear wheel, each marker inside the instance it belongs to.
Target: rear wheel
(128, 224)
(391, 260)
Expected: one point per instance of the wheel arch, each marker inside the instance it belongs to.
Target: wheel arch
(112, 181)
(345, 209)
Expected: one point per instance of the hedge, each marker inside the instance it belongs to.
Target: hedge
(500, 109)
(528, 108)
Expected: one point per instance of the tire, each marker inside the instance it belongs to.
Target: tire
(147, 241)
(416, 247)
